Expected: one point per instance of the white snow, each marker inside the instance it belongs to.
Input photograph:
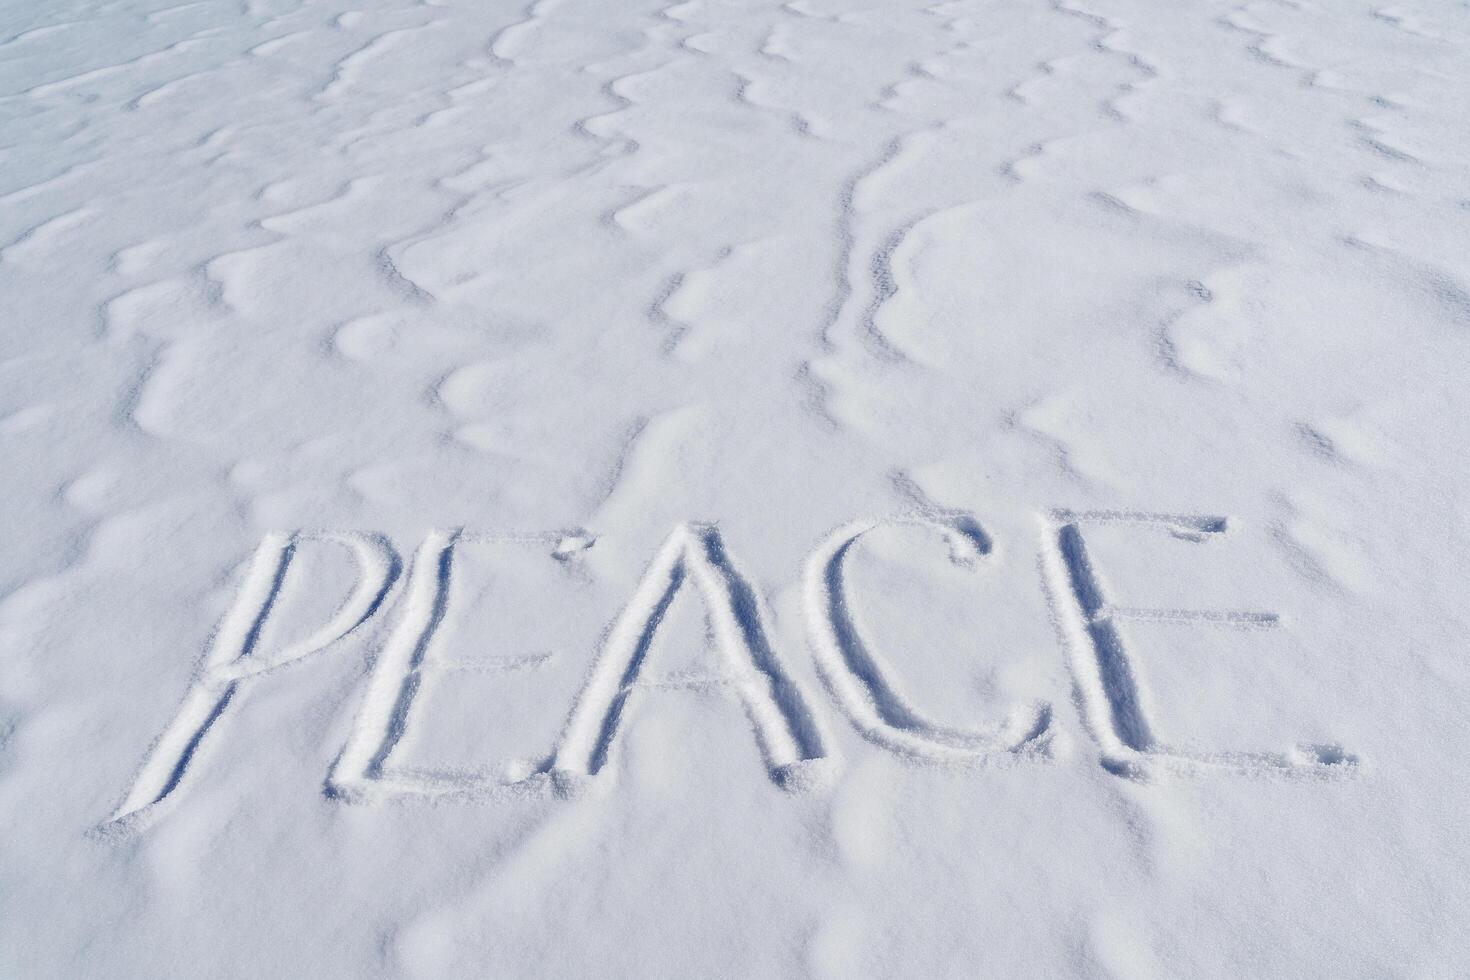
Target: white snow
(834, 488)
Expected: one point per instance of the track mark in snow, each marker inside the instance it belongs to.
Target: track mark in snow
(346, 72)
(1404, 22)
(859, 678)
(632, 435)
(129, 411)
(267, 48)
(776, 45)
(1382, 144)
(36, 33)
(508, 45)
(143, 60)
(784, 726)
(1110, 42)
(395, 280)
(365, 338)
(1016, 169)
(658, 314)
(879, 273)
(45, 235)
(160, 92)
(26, 419)
(363, 771)
(589, 126)
(165, 13)
(233, 661)
(817, 394)
(1107, 674)
(1018, 91)
(1265, 46)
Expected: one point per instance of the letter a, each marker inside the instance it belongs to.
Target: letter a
(784, 728)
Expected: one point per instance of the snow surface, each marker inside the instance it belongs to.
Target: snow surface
(835, 488)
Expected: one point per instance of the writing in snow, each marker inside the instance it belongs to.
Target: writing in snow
(782, 714)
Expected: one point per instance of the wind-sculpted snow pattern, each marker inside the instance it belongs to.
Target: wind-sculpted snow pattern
(734, 488)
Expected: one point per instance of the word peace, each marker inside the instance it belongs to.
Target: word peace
(695, 556)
